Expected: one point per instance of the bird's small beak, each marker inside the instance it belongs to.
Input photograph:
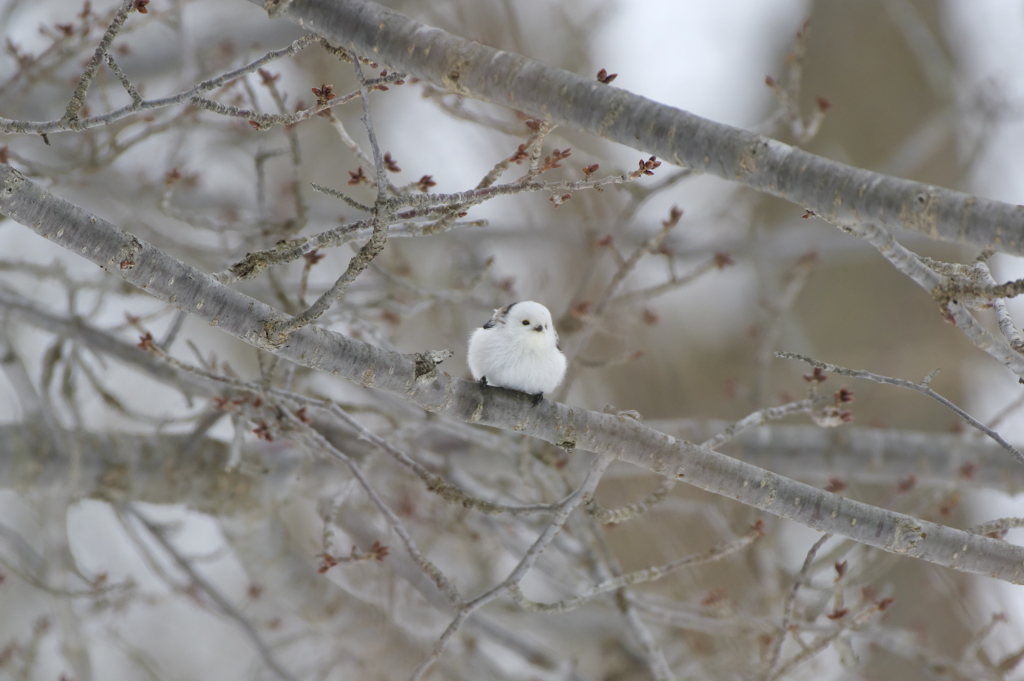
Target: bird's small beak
(539, 327)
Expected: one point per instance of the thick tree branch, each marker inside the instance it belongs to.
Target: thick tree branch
(175, 282)
(848, 455)
(839, 193)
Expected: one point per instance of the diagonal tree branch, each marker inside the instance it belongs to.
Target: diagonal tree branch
(416, 379)
(839, 193)
(847, 455)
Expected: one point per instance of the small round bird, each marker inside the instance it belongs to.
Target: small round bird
(518, 349)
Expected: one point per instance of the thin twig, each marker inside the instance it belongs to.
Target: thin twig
(787, 608)
(670, 285)
(586, 488)
(1006, 325)
(78, 97)
(921, 387)
(123, 78)
(449, 492)
(650, 574)
(999, 526)
(822, 642)
(915, 267)
(318, 443)
(593, 318)
(758, 418)
(778, 313)
(14, 126)
(1006, 411)
(215, 595)
(382, 213)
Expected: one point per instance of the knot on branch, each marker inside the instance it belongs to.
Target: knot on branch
(623, 413)
(976, 295)
(127, 253)
(275, 8)
(257, 261)
(426, 363)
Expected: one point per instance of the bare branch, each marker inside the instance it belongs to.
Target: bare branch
(921, 387)
(837, 192)
(222, 602)
(175, 282)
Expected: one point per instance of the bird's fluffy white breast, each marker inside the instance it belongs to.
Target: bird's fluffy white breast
(530, 363)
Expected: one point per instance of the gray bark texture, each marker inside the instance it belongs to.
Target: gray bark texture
(420, 383)
(836, 192)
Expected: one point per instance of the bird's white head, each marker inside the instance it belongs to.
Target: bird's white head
(528, 320)
(518, 349)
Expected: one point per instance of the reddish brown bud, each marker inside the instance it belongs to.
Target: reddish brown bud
(324, 93)
(674, 213)
(520, 155)
(714, 596)
(425, 183)
(647, 167)
(268, 77)
(580, 309)
(906, 484)
(835, 485)
(817, 376)
(357, 176)
(329, 562)
(263, 432)
(379, 551)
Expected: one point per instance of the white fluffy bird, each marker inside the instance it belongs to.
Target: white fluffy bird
(518, 349)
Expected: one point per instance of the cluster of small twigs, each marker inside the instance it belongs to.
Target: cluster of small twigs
(393, 467)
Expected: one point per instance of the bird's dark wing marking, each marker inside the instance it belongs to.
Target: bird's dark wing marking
(498, 317)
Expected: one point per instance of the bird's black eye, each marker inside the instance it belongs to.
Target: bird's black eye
(526, 322)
